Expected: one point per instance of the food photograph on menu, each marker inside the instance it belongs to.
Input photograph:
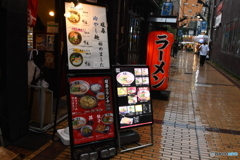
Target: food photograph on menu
(122, 91)
(125, 78)
(91, 108)
(87, 36)
(131, 90)
(133, 96)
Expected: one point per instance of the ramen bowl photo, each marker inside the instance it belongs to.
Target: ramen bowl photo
(76, 59)
(107, 118)
(144, 95)
(79, 88)
(86, 130)
(74, 37)
(78, 122)
(125, 78)
(73, 16)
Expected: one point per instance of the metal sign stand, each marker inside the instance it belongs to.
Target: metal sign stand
(122, 149)
(131, 138)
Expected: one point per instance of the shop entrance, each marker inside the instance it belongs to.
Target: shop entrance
(44, 92)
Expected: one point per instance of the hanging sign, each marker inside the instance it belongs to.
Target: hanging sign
(159, 47)
(32, 12)
(204, 26)
(167, 9)
(87, 37)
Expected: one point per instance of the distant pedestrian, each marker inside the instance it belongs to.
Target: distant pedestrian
(175, 48)
(203, 51)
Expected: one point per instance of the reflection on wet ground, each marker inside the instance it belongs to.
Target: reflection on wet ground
(200, 117)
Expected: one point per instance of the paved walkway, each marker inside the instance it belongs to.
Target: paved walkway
(200, 120)
(202, 115)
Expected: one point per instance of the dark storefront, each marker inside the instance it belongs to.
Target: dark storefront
(13, 68)
(127, 28)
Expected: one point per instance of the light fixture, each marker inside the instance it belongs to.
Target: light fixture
(51, 13)
(200, 17)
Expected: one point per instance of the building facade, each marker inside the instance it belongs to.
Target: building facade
(127, 28)
(225, 45)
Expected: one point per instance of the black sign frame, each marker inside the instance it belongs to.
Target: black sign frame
(142, 112)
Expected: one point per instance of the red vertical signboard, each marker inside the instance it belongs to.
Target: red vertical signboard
(159, 47)
(91, 109)
(32, 12)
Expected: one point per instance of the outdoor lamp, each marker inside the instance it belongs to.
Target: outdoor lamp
(51, 13)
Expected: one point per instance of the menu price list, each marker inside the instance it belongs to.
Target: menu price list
(91, 109)
(87, 36)
(133, 96)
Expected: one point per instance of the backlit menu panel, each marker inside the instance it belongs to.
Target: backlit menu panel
(87, 36)
(133, 96)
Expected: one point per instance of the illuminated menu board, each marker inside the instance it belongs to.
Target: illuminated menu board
(91, 108)
(86, 36)
(133, 96)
